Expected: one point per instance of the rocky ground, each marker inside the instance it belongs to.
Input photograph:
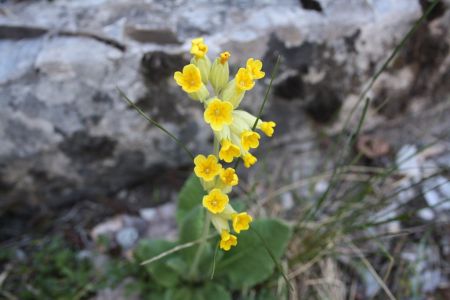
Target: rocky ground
(75, 158)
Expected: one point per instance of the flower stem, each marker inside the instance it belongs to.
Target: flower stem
(216, 147)
(205, 233)
(204, 237)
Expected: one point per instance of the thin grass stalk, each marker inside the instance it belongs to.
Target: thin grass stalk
(356, 228)
(339, 221)
(266, 97)
(391, 57)
(153, 122)
(333, 181)
(364, 93)
(277, 263)
(373, 272)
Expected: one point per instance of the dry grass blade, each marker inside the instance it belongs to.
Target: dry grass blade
(303, 268)
(372, 271)
(329, 287)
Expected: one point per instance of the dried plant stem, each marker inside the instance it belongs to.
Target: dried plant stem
(373, 272)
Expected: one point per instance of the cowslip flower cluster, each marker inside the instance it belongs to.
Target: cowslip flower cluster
(209, 83)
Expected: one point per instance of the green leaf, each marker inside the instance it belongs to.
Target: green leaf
(212, 291)
(159, 270)
(190, 197)
(207, 292)
(192, 225)
(239, 204)
(191, 229)
(267, 295)
(249, 263)
(178, 265)
(182, 293)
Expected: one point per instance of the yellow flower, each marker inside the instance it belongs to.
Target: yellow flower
(215, 201)
(229, 177)
(241, 221)
(224, 56)
(244, 80)
(199, 48)
(227, 240)
(218, 113)
(197, 41)
(249, 160)
(267, 127)
(249, 139)
(190, 79)
(207, 168)
(254, 66)
(229, 151)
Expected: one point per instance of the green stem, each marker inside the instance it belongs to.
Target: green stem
(201, 248)
(389, 59)
(266, 97)
(193, 272)
(216, 147)
(151, 121)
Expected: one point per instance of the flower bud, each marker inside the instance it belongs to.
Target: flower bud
(232, 94)
(204, 65)
(219, 222)
(220, 72)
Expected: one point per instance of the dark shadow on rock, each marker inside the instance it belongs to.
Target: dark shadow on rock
(149, 35)
(311, 5)
(290, 88)
(160, 101)
(324, 105)
(437, 12)
(320, 99)
(158, 66)
(124, 187)
(9, 32)
(350, 41)
(423, 55)
(85, 148)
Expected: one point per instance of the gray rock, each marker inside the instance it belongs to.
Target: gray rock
(18, 58)
(127, 237)
(120, 292)
(67, 137)
(437, 193)
(424, 259)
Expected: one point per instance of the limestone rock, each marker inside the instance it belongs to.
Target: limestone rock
(66, 136)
